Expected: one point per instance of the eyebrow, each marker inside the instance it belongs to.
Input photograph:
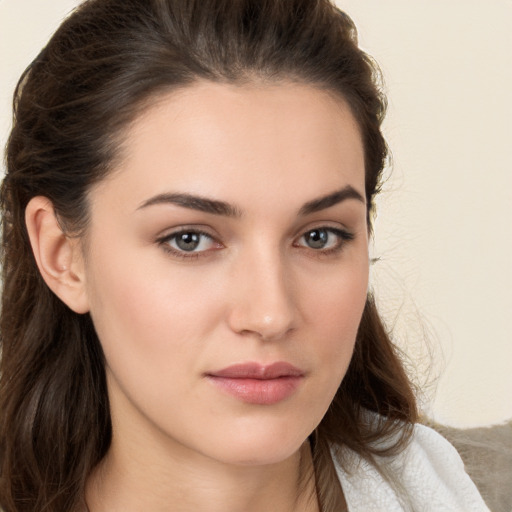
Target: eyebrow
(203, 204)
(217, 207)
(324, 202)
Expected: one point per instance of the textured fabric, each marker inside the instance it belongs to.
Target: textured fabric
(430, 472)
(487, 456)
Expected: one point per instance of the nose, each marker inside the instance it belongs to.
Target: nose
(263, 303)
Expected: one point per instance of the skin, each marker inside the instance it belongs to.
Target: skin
(254, 290)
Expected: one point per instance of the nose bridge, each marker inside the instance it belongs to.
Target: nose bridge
(264, 303)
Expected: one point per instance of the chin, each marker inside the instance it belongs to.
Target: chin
(259, 446)
(260, 456)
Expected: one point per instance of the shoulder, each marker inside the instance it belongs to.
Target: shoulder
(428, 475)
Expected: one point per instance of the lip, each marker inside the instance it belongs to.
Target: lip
(255, 383)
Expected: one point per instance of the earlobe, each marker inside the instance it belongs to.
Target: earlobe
(58, 256)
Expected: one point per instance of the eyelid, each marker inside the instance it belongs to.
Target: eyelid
(344, 236)
(163, 241)
(186, 228)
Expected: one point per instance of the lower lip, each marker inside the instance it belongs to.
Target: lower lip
(258, 391)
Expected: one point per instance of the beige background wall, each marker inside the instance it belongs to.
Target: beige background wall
(444, 226)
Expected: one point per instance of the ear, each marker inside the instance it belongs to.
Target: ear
(58, 257)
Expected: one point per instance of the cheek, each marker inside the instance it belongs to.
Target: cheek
(147, 317)
(334, 309)
(147, 322)
(336, 304)
(331, 307)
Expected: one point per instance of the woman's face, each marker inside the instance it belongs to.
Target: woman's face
(226, 270)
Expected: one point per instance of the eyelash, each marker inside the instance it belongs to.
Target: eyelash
(343, 238)
(165, 240)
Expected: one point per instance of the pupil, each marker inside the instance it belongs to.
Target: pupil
(187, 241)
(317, 238)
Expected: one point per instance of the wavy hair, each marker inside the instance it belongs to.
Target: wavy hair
(72, 105)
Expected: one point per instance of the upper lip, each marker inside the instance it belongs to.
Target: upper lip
(258, 371)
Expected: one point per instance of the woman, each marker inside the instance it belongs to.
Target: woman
(186, 320)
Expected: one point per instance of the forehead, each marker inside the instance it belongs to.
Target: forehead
(241, 142)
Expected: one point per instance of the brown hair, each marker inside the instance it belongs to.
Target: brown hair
(71, 106)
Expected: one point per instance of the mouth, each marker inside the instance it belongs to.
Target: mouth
(254, 383)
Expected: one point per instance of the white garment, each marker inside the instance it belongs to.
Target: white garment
(430, 471)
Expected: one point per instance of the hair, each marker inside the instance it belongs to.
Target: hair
(106, 63)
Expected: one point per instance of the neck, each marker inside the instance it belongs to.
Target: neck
(177, 484)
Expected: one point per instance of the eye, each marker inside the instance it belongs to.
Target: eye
(324, 239)
(188, 243)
